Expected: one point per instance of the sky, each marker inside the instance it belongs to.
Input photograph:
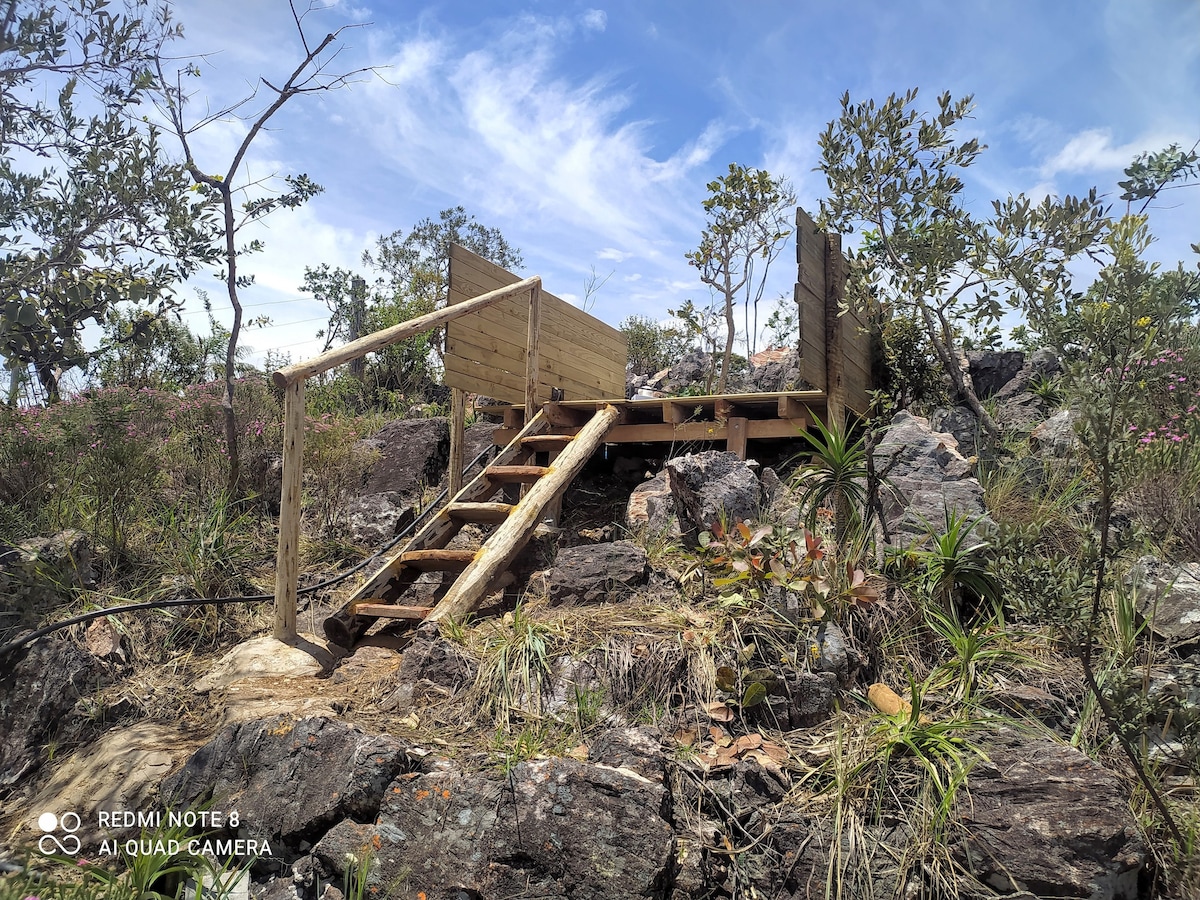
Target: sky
(587, 131)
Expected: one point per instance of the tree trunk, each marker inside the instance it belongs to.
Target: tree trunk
(964, 391)
(234, 475)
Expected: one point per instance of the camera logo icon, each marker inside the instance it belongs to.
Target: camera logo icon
(59, 834)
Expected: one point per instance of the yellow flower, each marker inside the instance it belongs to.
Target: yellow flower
(1143, 322)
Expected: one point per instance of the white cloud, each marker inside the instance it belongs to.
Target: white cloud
(595, 20)
(613, 254)
(1093, 150)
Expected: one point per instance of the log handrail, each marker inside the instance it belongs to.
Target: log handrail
(379, 339)
(292, 378)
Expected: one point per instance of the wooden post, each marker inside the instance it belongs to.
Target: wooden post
(835, 277)
(532, 373)
(287, 558)
(735, 435)
(458, 417)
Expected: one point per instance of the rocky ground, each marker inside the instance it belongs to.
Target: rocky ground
(610, 758)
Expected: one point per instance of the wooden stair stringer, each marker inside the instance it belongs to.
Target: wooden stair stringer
(344, 627)
(498, 552)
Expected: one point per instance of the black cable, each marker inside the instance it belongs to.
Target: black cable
(8, 649)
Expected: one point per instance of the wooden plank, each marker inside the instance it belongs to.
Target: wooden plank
(500, 383)
(514, 474)
(812, 341)
(737, 432)
(810, 254)
(287, 555)
(469, 265)
(477, 347)
(835, 280)
(389, 611)
(484, 513)
(438, 560)
(380, 339)
(548, 443)
(557, 413)
(498, 553)
(664, 432)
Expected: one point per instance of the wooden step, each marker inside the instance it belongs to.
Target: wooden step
(437, 560)
(547, 441)
(482, 513)
(391, 611)
(510, 474)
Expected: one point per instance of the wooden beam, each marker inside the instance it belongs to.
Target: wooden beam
(498, 553)
(483, 513)
(458, 418)
(390, 611)
(380, 339)
(437, 560)
(735, 438)
(557, 414)
(287, 556)
(511, 474)
(835, 376)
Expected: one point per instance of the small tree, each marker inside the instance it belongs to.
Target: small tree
(91, 211)
(652, 345)
(310, 76)
(895, 174)
(748, 213)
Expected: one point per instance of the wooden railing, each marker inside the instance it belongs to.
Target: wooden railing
(292, 380)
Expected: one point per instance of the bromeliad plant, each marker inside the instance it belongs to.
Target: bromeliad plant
(836, 475)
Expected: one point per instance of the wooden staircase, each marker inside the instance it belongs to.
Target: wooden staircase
(528, 491)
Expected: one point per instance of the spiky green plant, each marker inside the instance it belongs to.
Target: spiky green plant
(955, 566)
(836, 475)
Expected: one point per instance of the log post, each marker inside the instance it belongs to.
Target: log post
(458, 417)
(287, 559)
(532, 373)
(835, 383)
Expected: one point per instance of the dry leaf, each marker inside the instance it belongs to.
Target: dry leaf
(775, 752)
(687, 736)
(410, 721)
(580, 753)
(715, 732)
(719, 712)
(749, 742)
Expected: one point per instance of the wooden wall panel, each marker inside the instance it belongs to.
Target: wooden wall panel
(485, 352)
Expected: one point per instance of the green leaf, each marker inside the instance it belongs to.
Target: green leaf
(755, 694)
(726, 679)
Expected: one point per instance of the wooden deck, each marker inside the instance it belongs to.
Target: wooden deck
(733, 419)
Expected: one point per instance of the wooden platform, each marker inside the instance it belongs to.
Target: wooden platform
(732, 418)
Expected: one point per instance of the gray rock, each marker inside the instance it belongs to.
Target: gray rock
(432, 664)
(1044, 818)
(39, 696)
(1168, 597)
(782, 374)
(375, 518)
(925, 476)
(960, 422)
(552, 828)
(413, 454)
(291, 779)
(1057, 437)
(691, 370)
(834, 654)
(1017, 407)
(712, 487)
(991, 370)
(652, 507)
(597, 573)
(40, 571)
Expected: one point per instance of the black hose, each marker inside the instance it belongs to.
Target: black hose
(12, 646)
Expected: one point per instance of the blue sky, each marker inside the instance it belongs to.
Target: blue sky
(586, 132)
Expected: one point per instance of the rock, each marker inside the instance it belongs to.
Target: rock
(38, 572)
(67, 554)
(597, 573)
(265, 657)
(991, 370)
(432, 664)
(812, 698)
(835, 655)
(776, 370)
(413, 454)
(714, 487)
(1057, 437)
(1044, 818)
(104, 642)
(120, 770)
(691, 370)
(961, 423)
(1017, 407)
(636, 749)
(476, 439)
(925, 476)
(39, 698)
(290, 779)
(652, 507)
(1168, 597)
(553, 828)
(376, 518)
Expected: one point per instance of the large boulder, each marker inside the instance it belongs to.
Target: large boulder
(376, 518)
(1043, 818)
(651, 507)
(1017, 406)
(925, 476)
(290, 779)
(413, 454)
(961, 422)
(1057, 436)
(1168, 597)
(597, 573)
(548, 828)
(991, 370)
(37, 571)
(432, 666)
(776, 370)
(41, 703)
(713, 487)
